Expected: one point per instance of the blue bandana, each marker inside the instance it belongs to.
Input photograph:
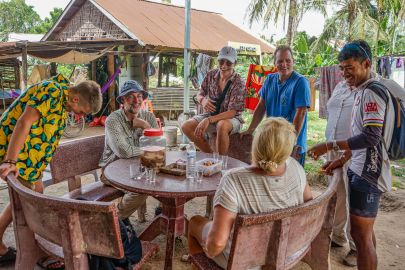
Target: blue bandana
(356, 47)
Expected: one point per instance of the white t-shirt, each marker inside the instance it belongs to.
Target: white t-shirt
(245, 192)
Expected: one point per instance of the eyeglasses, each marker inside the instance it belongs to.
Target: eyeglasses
(223, 61)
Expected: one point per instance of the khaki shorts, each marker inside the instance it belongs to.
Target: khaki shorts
(212, 128)
(221, 259)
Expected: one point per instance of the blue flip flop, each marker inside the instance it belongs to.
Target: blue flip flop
(47, 262)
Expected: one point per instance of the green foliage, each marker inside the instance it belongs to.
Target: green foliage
(48, 22)
(380, 23)
(17, 16)
(306, 59)
(290, 11)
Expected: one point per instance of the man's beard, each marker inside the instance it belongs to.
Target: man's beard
(131, 109)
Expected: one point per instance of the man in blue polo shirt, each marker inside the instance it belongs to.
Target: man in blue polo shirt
(285, 94)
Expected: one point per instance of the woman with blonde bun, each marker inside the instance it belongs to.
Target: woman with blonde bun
(274, 181)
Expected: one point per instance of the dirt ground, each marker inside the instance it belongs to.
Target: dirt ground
(389, 229)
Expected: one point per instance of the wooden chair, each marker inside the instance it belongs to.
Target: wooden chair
(80, 157)
(280, 239)
(66, 228)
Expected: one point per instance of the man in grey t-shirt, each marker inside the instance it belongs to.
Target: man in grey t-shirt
(371, 128)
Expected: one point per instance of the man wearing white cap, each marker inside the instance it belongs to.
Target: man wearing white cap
(222, 96)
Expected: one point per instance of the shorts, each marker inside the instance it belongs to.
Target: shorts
(221, 259)
(212, 128)
(364, 198)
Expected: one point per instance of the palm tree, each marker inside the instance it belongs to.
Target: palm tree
(273, 10)
(377, 22)
(391, 19)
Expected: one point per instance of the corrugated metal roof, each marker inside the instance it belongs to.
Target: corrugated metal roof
(163, 25)
(24, 36)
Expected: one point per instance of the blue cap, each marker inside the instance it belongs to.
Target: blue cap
(131, 86)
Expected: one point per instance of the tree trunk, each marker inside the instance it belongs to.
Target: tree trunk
(291, 17)
(160, 71)
(350, 19)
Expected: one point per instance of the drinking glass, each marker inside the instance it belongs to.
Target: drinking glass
(215, 156)
(224, 159)
(199, 175)
(151, 175)
(133, 171)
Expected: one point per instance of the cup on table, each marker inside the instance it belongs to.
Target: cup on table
(135, 171)
(151, 175)
(199, 175)
(215, 156)
(224, 159)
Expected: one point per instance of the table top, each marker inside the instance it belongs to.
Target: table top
(166, 185)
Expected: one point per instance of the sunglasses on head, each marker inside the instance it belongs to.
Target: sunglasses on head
(223, 61)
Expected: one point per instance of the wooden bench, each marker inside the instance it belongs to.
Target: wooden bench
(67, 228)
(78, 157)
(280, 239)
(170, 98)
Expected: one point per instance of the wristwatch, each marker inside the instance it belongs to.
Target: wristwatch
(335, 146)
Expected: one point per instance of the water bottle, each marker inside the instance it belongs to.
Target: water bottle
(191, 167)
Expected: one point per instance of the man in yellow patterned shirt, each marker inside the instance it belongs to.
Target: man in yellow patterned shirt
(30, 130)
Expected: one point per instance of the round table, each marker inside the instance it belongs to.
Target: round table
(172, 191)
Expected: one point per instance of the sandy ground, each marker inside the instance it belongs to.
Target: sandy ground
(389, 229)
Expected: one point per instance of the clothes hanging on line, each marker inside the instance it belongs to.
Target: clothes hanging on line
(256, 76)
(392, 67)
(203, 66)
(329, 77)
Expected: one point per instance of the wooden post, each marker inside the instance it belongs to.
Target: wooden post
(160, 73)
(144, 67)
(111, 89)
(94, 70)
(24, 67)
(17, 76)
(312, 82)
(54, 69)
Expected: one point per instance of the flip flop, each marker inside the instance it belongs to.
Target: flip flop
(9, 256)
(47, 262)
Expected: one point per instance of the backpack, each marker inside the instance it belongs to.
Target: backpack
(132, 251)
(396, 149)
(131, 244)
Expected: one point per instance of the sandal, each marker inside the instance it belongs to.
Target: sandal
(9, 256)
(49, 263)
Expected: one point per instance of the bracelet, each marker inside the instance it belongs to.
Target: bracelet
(9, 161)
(209, 120)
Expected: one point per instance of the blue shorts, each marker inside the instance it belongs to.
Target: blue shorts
(364, 198)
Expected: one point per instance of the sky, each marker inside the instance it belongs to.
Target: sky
(232, 10)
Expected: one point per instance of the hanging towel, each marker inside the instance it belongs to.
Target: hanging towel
(203, 66)
(256, 76)
(330, 77)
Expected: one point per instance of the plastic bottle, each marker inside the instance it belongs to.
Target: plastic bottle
(191, 159)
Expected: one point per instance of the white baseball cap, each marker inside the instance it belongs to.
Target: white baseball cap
(228, 53)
